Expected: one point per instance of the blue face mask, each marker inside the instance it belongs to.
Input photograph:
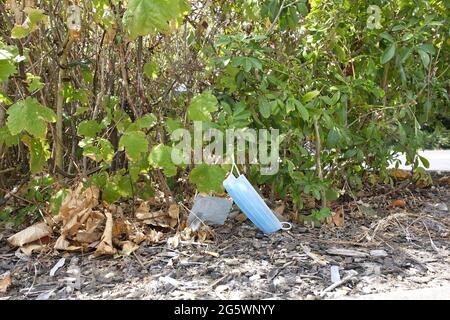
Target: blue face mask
(252, 205)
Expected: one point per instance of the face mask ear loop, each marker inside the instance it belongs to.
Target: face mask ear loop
(286, 226)
(234, 166)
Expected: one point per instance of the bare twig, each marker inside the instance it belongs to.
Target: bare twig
(351, 276)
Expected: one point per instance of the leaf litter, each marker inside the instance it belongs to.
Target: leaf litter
(278, 265)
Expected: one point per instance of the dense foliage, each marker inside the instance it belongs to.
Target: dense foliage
(98, 100)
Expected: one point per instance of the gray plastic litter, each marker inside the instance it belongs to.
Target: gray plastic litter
(335, 276)
(210, 210)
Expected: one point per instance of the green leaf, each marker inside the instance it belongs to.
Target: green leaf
(265, 108)
(327, 100)
(89, 128)
(202, 106)
(144, 17)
(331, 195)
(19, 32)
(387, 36)
(425, 162)
(303, 111)
(56, 201)
(310, 96)
(340, 53)
(406, 52)
(407, 36)
(161, 157)
(29, 115)
(173, 124)
(248, 63)
(147, 122)
(6, 69)
(428, 48)
(110, 193)
(5, 100)
(39, 153)
(7, 138)
(320, 216)
(388, 53)
(151, 69)
(34, 83)
(425, 57)
(208, 178)
(100, 150)
(135, 143)
(333, 138)
(34, 16)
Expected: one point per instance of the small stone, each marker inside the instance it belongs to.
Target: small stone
(442, 207)
(259, 235)
(436, 206)
(366, 290)
(378, 253)
(255, 277)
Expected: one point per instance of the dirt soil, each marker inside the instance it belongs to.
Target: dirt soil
(412, 251)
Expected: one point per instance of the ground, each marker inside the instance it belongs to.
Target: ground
(412, 251)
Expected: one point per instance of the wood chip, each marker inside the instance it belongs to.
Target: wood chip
(347, 253)
(5, 282)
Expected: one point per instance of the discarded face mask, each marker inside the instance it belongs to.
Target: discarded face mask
(253, 206)
(208, 210)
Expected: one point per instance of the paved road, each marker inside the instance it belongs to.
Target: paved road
(440, 293)
(439, 160)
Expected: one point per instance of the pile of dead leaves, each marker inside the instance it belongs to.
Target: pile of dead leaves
(85, 224)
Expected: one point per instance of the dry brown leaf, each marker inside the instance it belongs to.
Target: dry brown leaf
(268, 23)
(150, 215)
(143, 209)
(63, 244)
(128, 247)
(174, 211)
(279, 210)
(204, 233)
(121, 228)
(186, 234)
(399, 203)
(30, 248)
(174, 242)
(76, 210)
(94, 221)
(138, 237)
(309, 202)
(154, 236)
(5, 282)
(87, 237)
(105, 246)
(110, 34)
(30, 234)
(241, 218)
(115, 209)
(75, 222)
(444, 180)
(158, 218)
(78, 200)
(211, 253)
(338, 217)
(400, 174)
(422, 179)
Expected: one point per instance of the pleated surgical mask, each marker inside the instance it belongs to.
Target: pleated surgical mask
(252, 205)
